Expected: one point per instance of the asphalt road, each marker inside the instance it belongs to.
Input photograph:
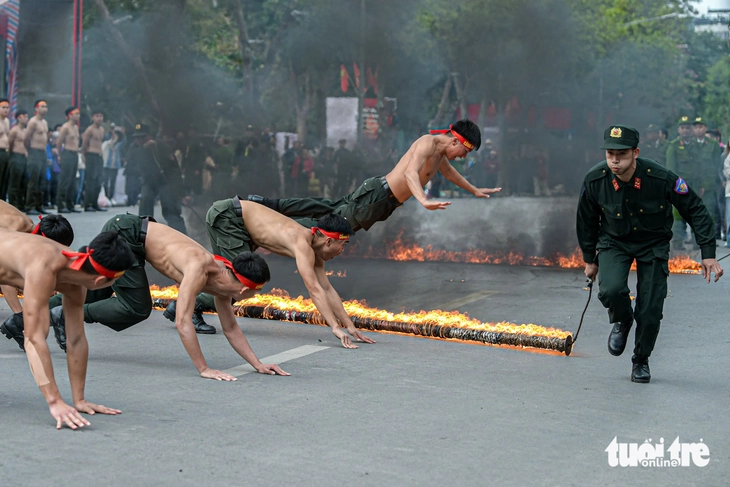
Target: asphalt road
(404, 411)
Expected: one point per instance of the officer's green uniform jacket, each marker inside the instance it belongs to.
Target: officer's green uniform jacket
(681, 160)
(707, 154)
(638, 213)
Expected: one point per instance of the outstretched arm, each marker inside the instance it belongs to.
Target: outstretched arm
(77, 349)
(305, 264)
(38, 288)
(192, 283)
(455, 177)
(338, 309)
(238, 341)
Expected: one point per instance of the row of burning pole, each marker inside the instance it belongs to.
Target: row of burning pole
(430, 324)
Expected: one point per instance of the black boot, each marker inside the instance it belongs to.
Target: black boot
(640, 370)
(272, 203)
(201, 326)
(12, 328)
(58, 322)
(619, 335)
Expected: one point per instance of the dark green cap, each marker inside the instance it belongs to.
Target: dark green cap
(684, 121)
(652, 128)
(699, 121)
(140, 130)
(620, 137)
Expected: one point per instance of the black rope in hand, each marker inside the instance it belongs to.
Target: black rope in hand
(590, 292)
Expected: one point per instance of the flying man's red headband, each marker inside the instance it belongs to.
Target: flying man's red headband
(469, 146)
(334, 235)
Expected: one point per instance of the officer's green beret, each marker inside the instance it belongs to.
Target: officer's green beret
(620, 137)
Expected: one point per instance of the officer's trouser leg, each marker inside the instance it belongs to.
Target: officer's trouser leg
(308, 207)
(172, 209)
(147, 200)
(131, 305)
(613, 276)
(229, 252)
(651, 289)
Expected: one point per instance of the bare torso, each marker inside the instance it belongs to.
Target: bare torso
(434, 150)
(273, 231)
(69, 136)
(38, 130)
(23, 254)
(4, 131)
(13, 219)
(95, 136)
(18, 140)
(174, 255)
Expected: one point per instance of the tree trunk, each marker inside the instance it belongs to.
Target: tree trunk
(135, 59)
(443, 105)
(303, 107)
(460, 86)
(244, 46)
(483, 108)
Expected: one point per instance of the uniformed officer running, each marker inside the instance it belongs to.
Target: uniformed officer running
(625, 214)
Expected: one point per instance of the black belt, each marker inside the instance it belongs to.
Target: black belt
(143, 228)
(237, 205)
(386, 187)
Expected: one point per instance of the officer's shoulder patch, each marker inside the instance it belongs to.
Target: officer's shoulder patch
(680, 187)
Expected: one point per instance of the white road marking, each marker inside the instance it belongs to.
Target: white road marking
(279, 358)
(13, 355)
(468, 299)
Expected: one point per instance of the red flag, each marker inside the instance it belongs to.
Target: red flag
(344, 79)
(372, 80)
(357, 76)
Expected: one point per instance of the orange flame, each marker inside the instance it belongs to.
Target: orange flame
(280, 299)
(401, 250)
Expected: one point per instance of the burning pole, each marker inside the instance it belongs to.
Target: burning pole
(429, 324)
(431, 330)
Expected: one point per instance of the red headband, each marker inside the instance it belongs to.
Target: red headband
(243, 280)
(4, 104)
(334, 235)
(37, 229)
(82, 257)
(469, 146)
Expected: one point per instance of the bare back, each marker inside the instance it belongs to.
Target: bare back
(13, 219)
(275, 232)
(93, 138)
(17, 140)
(38, 130)
(428, 152)
(174, 254)
(4, 132)
(68, 138)
(24, 256)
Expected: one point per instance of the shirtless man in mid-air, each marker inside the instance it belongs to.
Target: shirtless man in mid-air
(377, 198)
